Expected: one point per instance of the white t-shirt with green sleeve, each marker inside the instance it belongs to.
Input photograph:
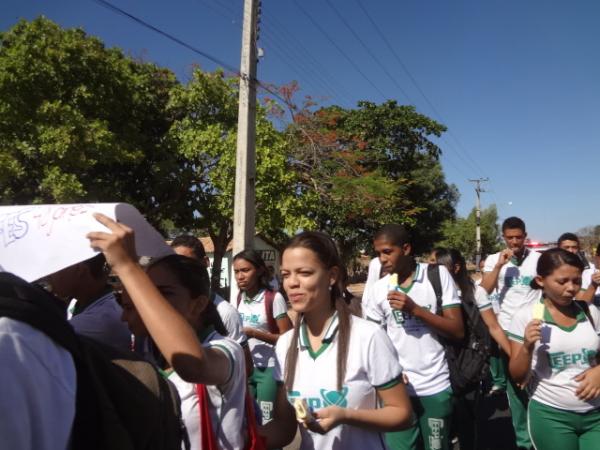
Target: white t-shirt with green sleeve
(254, 315)
(482, 299)
(561, 355)
(513, 286)
(226, 401)
(420, 353)
(372, 364)
(586, 279)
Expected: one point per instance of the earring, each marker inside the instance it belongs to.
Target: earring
(330, 288)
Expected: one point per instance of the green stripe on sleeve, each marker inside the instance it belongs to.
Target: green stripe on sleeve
(229, 356)
(373, 320)
(485, 307)
(390, 384)
(281, 316)
(456, 305)
(515, 337)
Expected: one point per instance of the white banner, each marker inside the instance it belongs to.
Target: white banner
(37, 240)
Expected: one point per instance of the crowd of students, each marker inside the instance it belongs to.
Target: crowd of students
(252, 372)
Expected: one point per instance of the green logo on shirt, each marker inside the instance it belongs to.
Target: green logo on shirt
(560, 361)
(253, 319)
(335, 398)
(328, 398)
(400, 316)
(518, 281)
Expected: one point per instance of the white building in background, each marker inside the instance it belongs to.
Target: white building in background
(267, 250)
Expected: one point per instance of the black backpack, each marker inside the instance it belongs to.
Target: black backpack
(122, 401)
(468, 360)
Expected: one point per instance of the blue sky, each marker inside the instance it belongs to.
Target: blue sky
(517, 83)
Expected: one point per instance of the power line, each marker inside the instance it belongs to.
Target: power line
(299, 49)
(320, 69)
(373, 56)
(282, 52)
(190, 47)
(416, 84)
(339, 49)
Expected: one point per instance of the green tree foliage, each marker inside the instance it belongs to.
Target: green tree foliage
(369, 166)
(460, 233)
(204, 132)
(80, 122)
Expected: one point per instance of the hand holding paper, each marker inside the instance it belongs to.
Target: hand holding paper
(118, 246)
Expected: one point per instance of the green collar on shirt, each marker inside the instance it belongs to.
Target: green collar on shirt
(327, 337)
(254, 299)
(580, 317)
(415, 276)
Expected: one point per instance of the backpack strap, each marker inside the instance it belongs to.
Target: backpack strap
(271, 322)
(433, 274)
(208, 440)
(586, 310)
(255, 440)
(239, 298)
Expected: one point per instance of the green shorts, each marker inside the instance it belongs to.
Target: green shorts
(551, 428)
(432, 425)
(263, 388)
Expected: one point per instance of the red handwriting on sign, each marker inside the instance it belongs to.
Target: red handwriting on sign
(47, 218)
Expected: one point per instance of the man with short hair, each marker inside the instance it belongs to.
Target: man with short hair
(511, 272)
(590, 278)
(191, 247)
(96, 313)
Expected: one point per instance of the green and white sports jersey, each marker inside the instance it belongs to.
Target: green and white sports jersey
(372, 364)
(514, 287)
(226, 401)
(586, 278)
(254, 315)
(420, 352)
(559, 357)
(482, 299)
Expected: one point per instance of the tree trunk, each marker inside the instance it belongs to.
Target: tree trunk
(220, 242)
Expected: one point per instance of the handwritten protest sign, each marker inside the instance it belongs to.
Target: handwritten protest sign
(37, 240)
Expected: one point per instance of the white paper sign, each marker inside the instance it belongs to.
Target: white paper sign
(37, 240)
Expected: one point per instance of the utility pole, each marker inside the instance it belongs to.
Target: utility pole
(478, 191)
(245, 165)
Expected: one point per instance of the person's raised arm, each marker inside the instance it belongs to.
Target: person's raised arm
(521, 353)
(587, 295)
(489, 280)
(174, 336)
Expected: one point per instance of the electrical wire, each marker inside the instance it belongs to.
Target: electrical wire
(368, 50)
(339, 49)
(190, 47)
(467, 159)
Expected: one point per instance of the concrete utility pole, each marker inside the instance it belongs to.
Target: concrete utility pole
(245, 165)
(478, 191)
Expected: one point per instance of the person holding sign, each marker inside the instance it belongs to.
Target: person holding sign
(172, 302)
(555, 346)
